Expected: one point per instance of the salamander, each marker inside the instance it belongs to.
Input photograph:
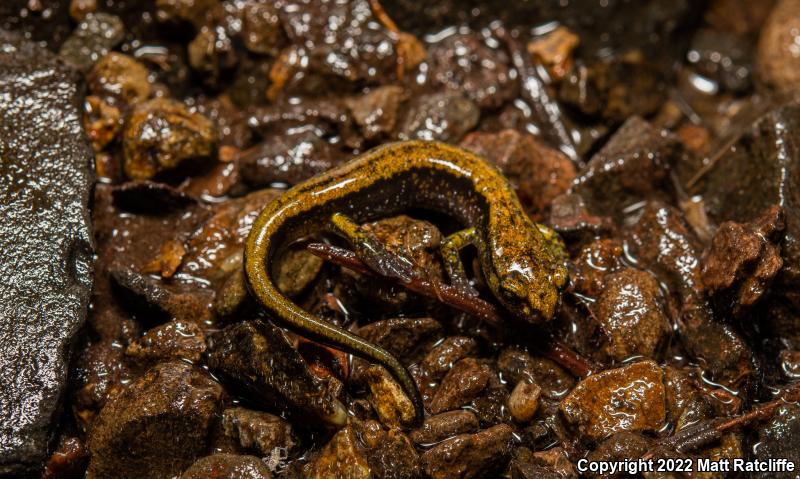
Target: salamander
(523, 263)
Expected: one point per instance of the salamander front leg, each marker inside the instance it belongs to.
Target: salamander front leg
(450, 251)
(371, 250)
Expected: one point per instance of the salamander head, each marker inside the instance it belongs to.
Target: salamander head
(530, 277)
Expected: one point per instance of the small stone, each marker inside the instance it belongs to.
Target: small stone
(394, 408)
(390, 454)
(441, 357)
(518, 366)
(404, 338)
(524, 401)
(78, 9)
(288, 158)
(633, 165)
(174, 340)
(778, 57)
(442, 426)
(780, 437)
(570, 218)
(92, 39)
(593, 264)
(463, 383)
(443, 117)
(468, 456)
(68, 461)
(196, 12)
(173, 403)
(257, 431)
(257, 356)
(211, 53)
(161, 134)
(630, 398)
(120, 79)
(620, 446)
(554, 51)
(631, 311)
(261, 28)
(550, 464)
(742, 260)
(376, 111)
(101, 122)
(463, 64)
(228, 466)
(341, 457)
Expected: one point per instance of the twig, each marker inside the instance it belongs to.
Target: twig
(553, 349)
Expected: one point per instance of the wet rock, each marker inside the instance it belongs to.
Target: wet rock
(78, 9)
(341, 457)
(405, 338)
(289, 158)
(779, 48)
(615, 88)
(464, 64)
(619, 447)
(296, 270)
(45, 247)
(120, 80)
(491, 405)
(101, 122)
(738, 16)
(393, 407)
(339, 44)
(68, 461)
(215, 249)
(463, 383)
(780, 437)
(195, 12)
(483, 454)
(517, 366)
(550, 464)
(261, 28)
(630, 398)
(416, 240)
(662, 244)
(570, 218)
(443, 117)
(390, 454)
(257, 431)
(441, 357)
(724, 57)
(441, 426)
(742, 260)
(538, 172)
(554, 51)
(593, 264)
(756, 171)
(211, 53)
(228, 466)
(161, 134)
(376, 112)
(92, 39)
(173, 403)
(173, 340)
(328, 117)
(790, 363)
(524, 401)
(632, 166)
(257, 356)
(631, 312)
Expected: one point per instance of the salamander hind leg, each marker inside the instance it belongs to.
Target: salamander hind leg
(450, 251)
(371, 250)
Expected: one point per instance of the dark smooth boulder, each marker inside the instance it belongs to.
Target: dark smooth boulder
(45, 244)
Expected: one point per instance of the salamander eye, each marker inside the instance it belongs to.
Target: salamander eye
(512, 288)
